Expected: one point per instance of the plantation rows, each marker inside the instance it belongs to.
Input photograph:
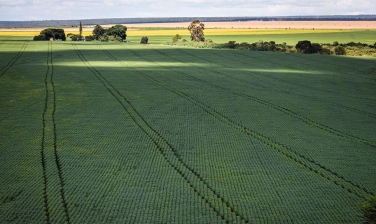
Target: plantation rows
(114, 133)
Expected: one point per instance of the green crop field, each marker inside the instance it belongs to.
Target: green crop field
(96, 132)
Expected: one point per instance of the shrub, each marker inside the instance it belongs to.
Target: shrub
(209, 41)
(39, 38)
(74, 37)
(184, 40)
(90, 38)
(315, 48)
(144, 40)
(340, 50)
(304, 47)
(232, 44)
(176, 38)
(104, 38)
(325, 51)
(368, 210)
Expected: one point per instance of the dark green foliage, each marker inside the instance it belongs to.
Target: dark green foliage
(304, 47)
(104, 38)
(118, 31)
(56, 34)
(232, 44)
(325, 51)
(115, 39)
(196, 28)
(90, 38)
(39, 38)
(80, 31)
(74, 37)
(340, 50)
(176, 38)
(335, 43)
(98, 31)
(315, 48)
(368, 210)
(144, 40)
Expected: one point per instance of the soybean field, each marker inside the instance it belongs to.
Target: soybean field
(95, 132)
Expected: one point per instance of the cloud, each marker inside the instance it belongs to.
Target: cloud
(90, 9)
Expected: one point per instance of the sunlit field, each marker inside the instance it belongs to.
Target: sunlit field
(289, 36)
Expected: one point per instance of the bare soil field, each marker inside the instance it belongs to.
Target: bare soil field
(247, 24)
(272, 24)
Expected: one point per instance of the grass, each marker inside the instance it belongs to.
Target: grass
(128, 133)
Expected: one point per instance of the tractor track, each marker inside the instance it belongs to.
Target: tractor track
(285, 110)
(372, 115)
(50, 90)
(169, 153)
(307, 162)
(14, 59)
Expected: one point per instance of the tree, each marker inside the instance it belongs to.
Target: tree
(176, 38)
(144, 40)
(304, 47)
(56, 34)
(39, 38)
(80, 35)
(340, 50)
(197, 30)
(118, 31)
(98, 31)
(104, 38)
(315, 48)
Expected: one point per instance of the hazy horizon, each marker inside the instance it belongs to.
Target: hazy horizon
(26, 10)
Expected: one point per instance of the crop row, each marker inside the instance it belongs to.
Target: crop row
(267, 140)
(289, 111)
(195, 181)
(276, 78)
(54, 195)
(14, 59)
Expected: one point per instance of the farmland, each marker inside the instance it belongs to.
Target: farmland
(97, 132)
(219, 35)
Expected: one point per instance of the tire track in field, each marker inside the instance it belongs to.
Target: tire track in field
(284, 110)
(57, 159)
(49, 117)
(278, 79)
(215, 201)
(43, 156)
(11, 62)
(169, 89)
(372, 115)
(285, 150)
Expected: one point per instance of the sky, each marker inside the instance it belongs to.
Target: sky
(21, 10)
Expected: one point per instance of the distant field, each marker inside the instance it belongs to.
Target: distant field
(290, 36)
(95, 132)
